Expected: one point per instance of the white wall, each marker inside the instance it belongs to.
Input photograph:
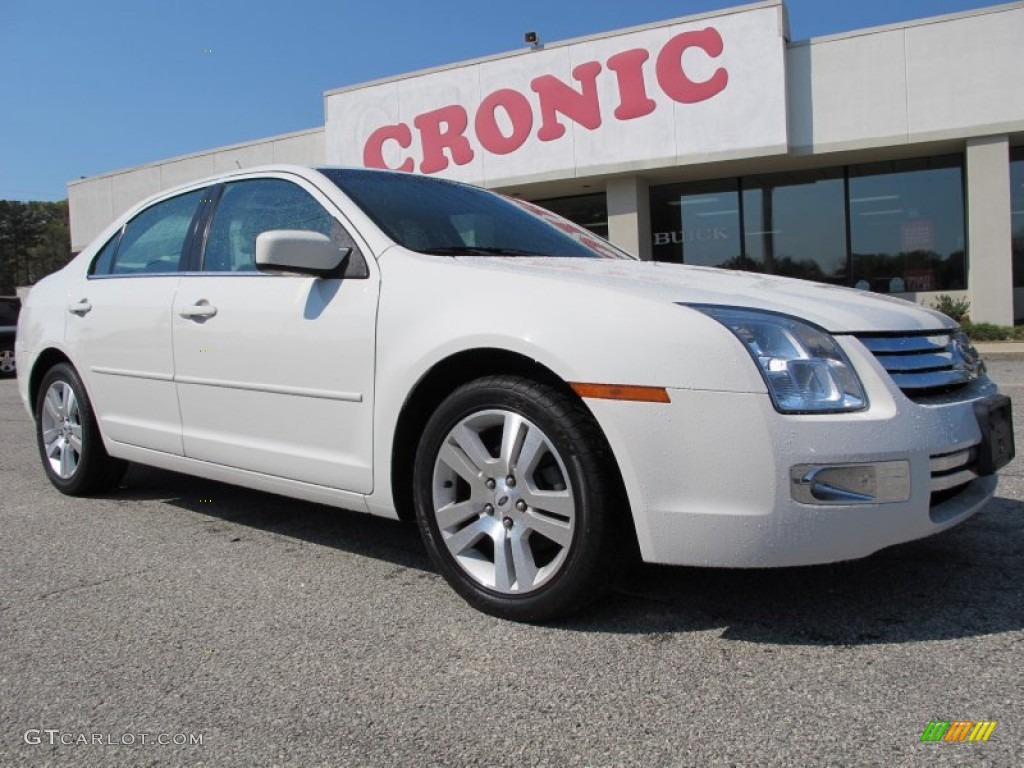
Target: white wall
(947, 78)
(990, 254)
(91, 208)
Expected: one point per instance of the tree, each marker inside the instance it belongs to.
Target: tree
(34, 241)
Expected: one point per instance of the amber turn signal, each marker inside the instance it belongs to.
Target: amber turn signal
(621, 392)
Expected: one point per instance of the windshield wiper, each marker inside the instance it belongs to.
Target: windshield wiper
(478, 250)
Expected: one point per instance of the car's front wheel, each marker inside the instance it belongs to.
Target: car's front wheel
(517, 498)
(69, 440)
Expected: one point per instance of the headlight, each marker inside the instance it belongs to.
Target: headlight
(803, 366)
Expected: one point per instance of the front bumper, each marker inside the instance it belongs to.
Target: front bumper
(709, 475)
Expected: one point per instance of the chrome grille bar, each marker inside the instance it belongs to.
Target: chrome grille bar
(951, 470)
(910, 382)
(901, 345)
(948, 461)
(945, 482)
(922, 364)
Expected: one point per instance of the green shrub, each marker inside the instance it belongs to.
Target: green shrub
(993, 332)
(957, 309)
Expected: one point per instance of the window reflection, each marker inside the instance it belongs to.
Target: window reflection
(699, 224)
(248, 208)
(794, 223)
(892, 227)
(589, 211)
(907, 225)
(152, 242)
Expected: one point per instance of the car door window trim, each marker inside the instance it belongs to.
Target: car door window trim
(195, 243)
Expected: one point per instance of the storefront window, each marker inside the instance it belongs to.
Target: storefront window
(895, 227)
(907, 225)
(1017, 214)
(589, 211)
(699, 224)
(795, 224)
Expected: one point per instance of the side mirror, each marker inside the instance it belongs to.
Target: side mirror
(294, 250)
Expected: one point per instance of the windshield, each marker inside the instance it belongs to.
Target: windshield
(446, 218)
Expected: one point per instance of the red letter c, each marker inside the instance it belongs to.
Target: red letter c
(373, 151)
(675, 82)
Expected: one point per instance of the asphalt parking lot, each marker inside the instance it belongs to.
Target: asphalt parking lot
(285, 633)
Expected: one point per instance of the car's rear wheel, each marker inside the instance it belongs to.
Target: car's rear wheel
(517, 499)
(69, 441)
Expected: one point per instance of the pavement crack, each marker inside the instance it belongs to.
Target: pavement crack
(91, 584)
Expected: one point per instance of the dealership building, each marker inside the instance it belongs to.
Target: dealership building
(888, 159)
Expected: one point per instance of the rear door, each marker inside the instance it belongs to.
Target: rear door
(119, 325)
(274, 371)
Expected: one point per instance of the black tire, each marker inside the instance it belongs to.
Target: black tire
(561, 574)
(94, 471)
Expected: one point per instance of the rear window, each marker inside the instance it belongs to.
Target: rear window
(152, 242)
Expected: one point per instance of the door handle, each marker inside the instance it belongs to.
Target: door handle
(198, 311)
(80, 308)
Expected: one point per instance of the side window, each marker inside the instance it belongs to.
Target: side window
(105, 258)
(152, 242)
(248, 208)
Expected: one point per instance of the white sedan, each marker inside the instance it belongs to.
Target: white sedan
(543, 404)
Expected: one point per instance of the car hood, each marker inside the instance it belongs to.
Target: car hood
(836, 309)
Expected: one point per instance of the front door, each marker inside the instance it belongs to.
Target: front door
(274, 372)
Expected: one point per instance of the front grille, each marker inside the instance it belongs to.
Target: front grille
(925, 364)
(951, 474)
(952, 470)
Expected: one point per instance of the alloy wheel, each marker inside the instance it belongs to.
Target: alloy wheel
(503, 502)
(62, 429)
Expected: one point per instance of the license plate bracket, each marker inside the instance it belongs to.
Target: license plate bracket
(995, 419)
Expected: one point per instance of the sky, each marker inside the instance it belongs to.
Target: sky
(92, 86)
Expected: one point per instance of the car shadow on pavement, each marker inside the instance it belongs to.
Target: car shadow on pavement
(961, 583)
(964, 582)
(341, 529)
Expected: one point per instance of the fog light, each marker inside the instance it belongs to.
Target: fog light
(876, 483)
